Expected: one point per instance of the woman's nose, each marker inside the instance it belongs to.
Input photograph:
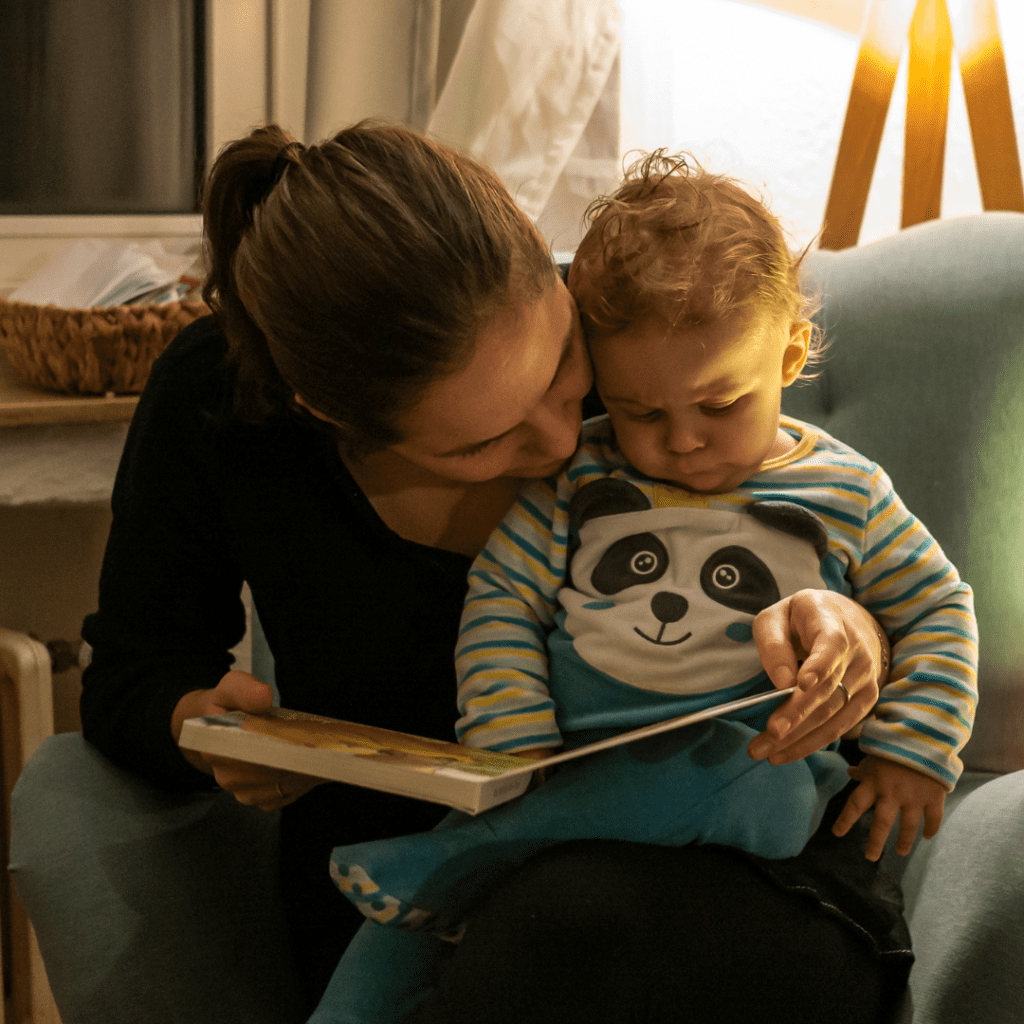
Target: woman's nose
(558, 417)
(557, 428)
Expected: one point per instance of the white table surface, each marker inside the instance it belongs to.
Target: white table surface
(58, 447)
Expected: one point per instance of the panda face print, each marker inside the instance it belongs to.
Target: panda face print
(663, 599)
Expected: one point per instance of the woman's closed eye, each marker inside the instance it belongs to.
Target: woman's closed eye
(468, 453)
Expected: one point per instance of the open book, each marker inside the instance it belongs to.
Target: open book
(466, 778)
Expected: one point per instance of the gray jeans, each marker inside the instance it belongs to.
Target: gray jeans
(149, 907)
(156, 908)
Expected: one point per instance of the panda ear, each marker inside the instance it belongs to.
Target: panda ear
(607, 497)
(793, 519)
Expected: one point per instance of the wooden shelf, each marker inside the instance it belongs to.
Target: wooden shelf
(22, 403)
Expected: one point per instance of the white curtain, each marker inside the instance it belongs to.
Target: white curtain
(533, 93)
(529, 87)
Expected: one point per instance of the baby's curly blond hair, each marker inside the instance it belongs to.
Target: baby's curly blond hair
(694, 246)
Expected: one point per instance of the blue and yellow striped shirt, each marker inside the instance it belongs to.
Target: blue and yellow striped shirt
(889, 563)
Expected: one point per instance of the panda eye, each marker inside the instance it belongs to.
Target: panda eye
(726, 577)
(643, 563)
(735, 577)
(640, 558)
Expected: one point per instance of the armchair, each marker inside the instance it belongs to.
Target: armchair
(924, 374)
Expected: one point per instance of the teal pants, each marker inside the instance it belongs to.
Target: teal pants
(694, 785)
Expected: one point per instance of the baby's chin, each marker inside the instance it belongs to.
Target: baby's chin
(712, 481)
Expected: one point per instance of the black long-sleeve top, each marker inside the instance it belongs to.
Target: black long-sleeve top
(361, 623)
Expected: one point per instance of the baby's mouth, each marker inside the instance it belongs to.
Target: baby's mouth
(657, 640)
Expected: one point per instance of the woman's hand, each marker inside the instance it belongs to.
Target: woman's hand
(839, 643)
(255, 785)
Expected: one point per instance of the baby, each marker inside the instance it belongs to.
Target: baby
(623, 592)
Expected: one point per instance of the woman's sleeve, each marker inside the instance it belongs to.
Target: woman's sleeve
(169, 595)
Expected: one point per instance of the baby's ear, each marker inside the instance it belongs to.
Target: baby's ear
(797, 348)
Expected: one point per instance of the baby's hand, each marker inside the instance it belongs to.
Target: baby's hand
(894, 791)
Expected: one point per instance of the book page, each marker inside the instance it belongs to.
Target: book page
(374, 744)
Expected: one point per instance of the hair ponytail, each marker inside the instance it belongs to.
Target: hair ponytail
(240, 179)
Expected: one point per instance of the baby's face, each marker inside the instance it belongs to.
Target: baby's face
(699, 406)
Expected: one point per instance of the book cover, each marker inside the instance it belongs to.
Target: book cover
(466, 778)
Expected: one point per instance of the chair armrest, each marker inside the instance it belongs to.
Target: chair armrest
(25, 668)
(965, 899)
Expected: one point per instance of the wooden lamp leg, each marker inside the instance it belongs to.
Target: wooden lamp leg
(928, 72)
(987, 93)
(873, 79)
(933, 28)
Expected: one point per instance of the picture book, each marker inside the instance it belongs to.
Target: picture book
(466, 778)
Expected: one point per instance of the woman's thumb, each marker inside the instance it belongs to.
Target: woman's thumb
(242, 691)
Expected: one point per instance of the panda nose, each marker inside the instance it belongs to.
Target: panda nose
(668, 607)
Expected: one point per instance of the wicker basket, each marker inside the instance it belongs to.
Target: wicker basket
(90, 351)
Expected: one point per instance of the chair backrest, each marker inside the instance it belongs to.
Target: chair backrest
(926, 376)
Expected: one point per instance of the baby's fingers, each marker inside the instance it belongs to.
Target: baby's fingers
(860, 801)
(910, 822)
(932, 818)
(884, 818)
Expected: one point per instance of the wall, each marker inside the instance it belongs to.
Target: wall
(50, 556)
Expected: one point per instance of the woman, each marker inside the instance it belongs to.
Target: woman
(393, 354)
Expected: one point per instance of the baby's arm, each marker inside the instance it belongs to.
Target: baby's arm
(501, 655)
(924, 714)
(894, 791)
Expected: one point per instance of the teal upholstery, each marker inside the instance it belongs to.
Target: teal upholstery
(151, 908)
(925, 374)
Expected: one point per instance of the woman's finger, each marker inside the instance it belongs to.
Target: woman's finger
(258, 786)
(821, 717)
(775, 644)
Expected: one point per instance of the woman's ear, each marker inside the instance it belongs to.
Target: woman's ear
(797, 348)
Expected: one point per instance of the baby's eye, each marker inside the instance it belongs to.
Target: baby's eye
(718, 410)
(647, 417)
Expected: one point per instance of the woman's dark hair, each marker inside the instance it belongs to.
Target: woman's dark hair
(358, 271)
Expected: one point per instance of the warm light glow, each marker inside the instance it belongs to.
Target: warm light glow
(845, 15)
(975, 26)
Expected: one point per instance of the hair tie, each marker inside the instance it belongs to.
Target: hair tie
(278, 167)
(260, 189)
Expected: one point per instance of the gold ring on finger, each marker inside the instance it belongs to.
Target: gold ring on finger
(846, 693)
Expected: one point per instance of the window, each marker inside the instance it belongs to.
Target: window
(103, 104)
